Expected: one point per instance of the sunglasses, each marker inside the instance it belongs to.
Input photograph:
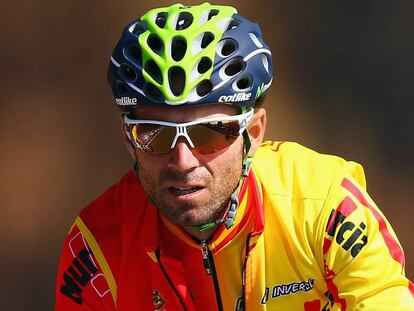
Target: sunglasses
(205, 136)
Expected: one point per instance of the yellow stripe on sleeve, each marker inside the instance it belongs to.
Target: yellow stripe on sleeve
(96, 250)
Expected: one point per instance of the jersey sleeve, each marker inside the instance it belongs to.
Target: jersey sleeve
(82, 282)
(362, 257)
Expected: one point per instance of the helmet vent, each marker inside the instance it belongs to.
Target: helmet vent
(153, 92)
(208, 37)
(132, 51)
(204, 65)
(236, 66)
(138, 28)
(204, 88)
(120, 88)
(255, 40)
(127, 73)
(234, 23)
(178, 48)
(265, 62)
(184, 21)
(154, 42)
(176, 79)
(153, 70)
(212, 13)
(161, 19)
(244, 83)
(228, 48)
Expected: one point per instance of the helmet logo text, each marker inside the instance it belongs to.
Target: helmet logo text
(126, 101)
(236, 97)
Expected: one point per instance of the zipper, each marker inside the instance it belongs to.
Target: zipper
(206, 258)
(157, 253)
(246, 255)
(210, 269)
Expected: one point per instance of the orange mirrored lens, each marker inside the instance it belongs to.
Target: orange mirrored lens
(206, 137)
(209, 138)
(161, 143)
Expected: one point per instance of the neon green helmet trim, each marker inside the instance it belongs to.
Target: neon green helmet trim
(192, 34)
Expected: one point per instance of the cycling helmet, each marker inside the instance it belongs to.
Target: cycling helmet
(190, 55)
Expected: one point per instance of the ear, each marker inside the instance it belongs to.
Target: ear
(256, 129)
(127, 142)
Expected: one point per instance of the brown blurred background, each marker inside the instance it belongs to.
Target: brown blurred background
(343, 86)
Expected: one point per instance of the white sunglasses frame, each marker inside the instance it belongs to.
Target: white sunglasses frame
(181, 128)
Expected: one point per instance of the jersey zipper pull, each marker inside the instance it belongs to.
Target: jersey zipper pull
(205, 254)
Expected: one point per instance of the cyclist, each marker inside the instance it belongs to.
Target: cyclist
(197, 224)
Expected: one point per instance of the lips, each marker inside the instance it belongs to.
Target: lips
(184, 190)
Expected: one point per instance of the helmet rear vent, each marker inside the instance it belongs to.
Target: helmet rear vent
(127, 73)
(234, 23)
(132, 51)
(153, 70)
(161, 19)
(153, 92)
(244, 83)
(178, 48)
(176, 79)
(208, 37)
(228, 48)
(138, 28)
(184, 21)
(204, 88)
(154, 42)
(204, 65)
(212, 13)
(236, 66)
(120, 88)
(265, 62)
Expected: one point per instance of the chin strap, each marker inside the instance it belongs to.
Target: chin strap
(228, 222)
(136, 170)
(247, 160)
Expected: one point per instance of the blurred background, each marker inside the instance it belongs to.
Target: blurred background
(343, 85)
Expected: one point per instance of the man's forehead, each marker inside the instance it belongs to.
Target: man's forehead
(183, 113)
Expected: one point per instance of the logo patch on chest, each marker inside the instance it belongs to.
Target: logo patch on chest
(286, 289)
(159, 302)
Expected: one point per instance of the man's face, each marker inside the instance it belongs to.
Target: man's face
(190, 188)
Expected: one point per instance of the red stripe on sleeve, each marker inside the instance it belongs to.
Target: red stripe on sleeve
(411, 287)
(393, 246)
(347, 206)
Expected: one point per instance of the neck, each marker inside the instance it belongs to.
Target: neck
(201, 236)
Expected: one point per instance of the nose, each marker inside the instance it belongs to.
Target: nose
(182, 158)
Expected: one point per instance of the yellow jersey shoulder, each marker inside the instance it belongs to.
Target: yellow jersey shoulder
(291, 170)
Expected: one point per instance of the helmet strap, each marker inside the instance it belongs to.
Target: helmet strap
(136, 169)
(228, 221)
(247, 160)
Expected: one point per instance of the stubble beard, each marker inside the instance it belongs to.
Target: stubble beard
(194, 213)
